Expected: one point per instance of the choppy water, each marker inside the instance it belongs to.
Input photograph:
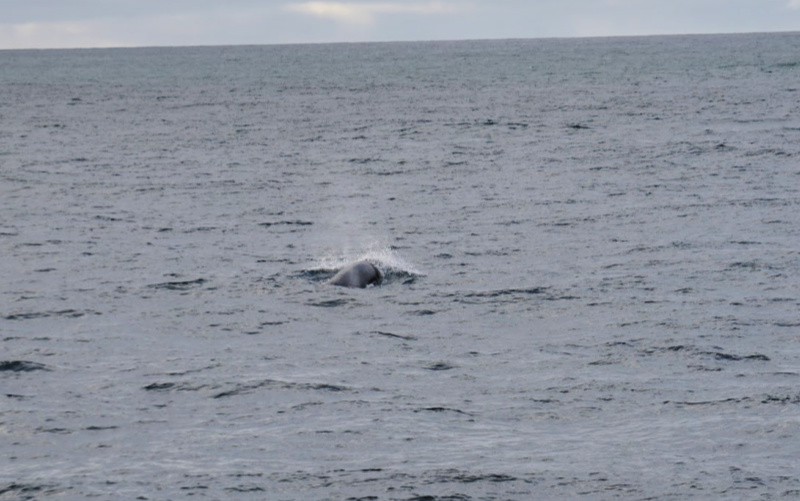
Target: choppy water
(591, 250)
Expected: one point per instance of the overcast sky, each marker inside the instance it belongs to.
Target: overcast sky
(115, 23)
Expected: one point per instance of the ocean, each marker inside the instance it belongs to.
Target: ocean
(590, 251)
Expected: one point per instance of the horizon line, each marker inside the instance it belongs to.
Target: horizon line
(422, 41)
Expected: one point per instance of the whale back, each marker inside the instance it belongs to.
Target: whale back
(357, 275)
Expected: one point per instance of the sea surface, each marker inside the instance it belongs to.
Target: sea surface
(591, 251)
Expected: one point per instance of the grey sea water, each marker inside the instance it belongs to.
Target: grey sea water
(591, 250)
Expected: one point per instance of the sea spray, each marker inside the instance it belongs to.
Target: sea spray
(381, 255)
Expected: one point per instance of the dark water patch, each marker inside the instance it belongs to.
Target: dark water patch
(618, 343)
(46, 314)
(506, 292)
(174, 387)
(200, 229)
(465, 478)
(316, 275)
(24, 492)
(745, 265)
(765, 202)
(200, 487)
(100, 428)
(331, 303)
(439, 366)
(182, 285)
(423, 313)
(21, 366)
(605, 362)
(193, 371)
(110, 219)
(320, 387)
(442, 409)
(396, 336)
(451, 497)
(577, 126)
(677, 347)
(159, 386)
(688, 351)
(564, 223)
(664, 349)
(391, 276)
(30, 244)
(487, 122)
(766, 399)
(703, 368)
(242, 389)
(386, 173)
(268, 224)
(718, 355)
(701, 403)
(507, 295)
(433, 485)
(363, 161)
(782, 399)
(553, 297)
(306, 405)
(245, 488)
(57, 431)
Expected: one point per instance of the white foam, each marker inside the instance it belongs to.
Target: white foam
(382, 256)
(386, 257)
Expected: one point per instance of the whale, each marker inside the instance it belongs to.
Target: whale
(358, 275)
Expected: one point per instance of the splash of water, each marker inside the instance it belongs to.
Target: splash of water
(382, 256)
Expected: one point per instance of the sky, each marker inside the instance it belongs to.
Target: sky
(136, 23)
